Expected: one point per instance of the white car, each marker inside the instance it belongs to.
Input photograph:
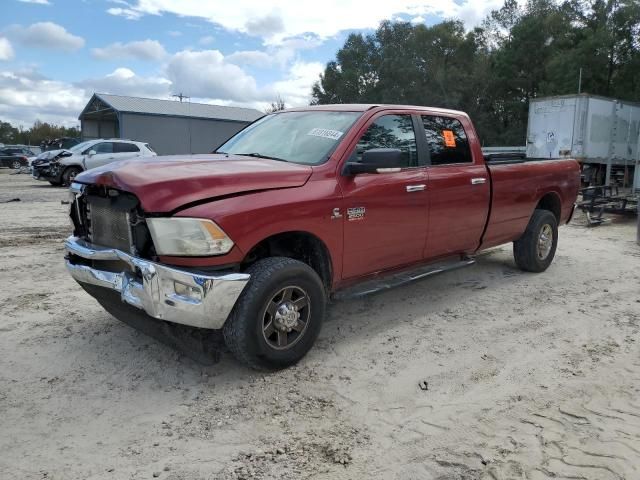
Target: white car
(59, 167)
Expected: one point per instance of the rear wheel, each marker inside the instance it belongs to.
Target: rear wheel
(278, 316)
(69, 174)
(54, 183)
(534, 251)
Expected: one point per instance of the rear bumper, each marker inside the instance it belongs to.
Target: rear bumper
(151, 287)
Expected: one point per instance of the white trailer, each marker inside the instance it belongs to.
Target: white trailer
(594, 130)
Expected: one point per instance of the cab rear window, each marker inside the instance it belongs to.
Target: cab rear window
(447, 140)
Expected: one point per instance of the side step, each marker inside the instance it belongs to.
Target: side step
(390, 281)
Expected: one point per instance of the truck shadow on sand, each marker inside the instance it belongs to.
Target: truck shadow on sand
(204, 351)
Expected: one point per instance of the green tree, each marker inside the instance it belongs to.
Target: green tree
(38, 132)
(519, 52)
(8, 133)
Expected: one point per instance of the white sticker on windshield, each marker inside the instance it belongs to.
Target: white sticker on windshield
(326, 133)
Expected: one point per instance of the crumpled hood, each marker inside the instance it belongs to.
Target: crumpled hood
(49, 155)
(164, 184)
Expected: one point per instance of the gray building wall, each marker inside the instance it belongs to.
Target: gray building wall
(98, 129)
(169, 135)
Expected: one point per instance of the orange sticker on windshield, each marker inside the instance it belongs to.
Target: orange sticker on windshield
(449, 138)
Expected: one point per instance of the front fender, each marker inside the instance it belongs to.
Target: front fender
(250, 218)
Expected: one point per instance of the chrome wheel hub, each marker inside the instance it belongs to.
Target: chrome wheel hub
(545, 241)
(286, 317)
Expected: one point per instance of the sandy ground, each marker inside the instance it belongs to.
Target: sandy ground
(527, 376)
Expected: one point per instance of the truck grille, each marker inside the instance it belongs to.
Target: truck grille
(109, 227)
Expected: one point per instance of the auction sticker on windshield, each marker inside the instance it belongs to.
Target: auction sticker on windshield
(325, 133)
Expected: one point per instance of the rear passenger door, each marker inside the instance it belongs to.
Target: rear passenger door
(459, 187)
(124, 151)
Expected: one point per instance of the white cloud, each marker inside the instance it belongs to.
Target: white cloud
(26, 96)
(206, 40)
(45, 35)
(38, 2)
(266, 26)
(295, 18)
(174, 33)
(6, 50)
(255, 58)
(295, 90)
(141, 50)
(206, 74)
(127, 13)
(123, 81)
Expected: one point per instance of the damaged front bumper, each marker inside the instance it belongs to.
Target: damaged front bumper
(162, 292)
(46, 172)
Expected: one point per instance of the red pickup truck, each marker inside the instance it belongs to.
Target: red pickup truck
(302, 206)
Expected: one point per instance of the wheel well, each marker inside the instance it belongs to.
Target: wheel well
(550, 202)
(302, 246)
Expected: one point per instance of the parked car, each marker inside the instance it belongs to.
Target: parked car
(59, 167)
(301, 206)
(59, 143)
(15, 157)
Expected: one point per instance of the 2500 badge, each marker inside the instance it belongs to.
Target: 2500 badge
(355, 213)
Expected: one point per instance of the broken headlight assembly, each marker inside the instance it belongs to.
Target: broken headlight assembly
(190, 237)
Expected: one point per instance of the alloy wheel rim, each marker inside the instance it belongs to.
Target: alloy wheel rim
(545, 241)
(285, 318)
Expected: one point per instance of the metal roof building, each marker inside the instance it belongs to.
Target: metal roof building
(170, 127)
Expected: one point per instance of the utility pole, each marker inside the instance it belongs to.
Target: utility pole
(181, 96)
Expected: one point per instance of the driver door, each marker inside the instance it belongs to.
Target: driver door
(385, 214)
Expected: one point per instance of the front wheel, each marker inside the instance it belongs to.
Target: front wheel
(534, 251)
(278, 316)
(16, 164)
(69, 174)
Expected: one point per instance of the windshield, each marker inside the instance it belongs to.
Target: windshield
(298, 137)
(80, 146)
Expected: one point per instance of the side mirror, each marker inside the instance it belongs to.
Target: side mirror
(91, 153)
(377, 160)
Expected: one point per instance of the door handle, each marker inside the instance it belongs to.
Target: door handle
(416, 188)
(478, 181)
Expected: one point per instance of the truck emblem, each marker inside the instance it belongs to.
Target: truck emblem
(355, 213)
(336, 214)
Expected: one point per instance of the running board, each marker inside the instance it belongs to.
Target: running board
(398, 279)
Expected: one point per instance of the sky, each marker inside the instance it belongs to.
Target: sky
(54, 54)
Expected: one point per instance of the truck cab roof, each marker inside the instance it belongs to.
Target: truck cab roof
(363, 107)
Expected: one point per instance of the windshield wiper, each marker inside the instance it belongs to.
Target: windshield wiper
(259, 155)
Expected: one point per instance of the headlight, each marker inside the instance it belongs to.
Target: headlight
(192, 237)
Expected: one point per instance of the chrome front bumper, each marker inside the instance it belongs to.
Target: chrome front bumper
(152, 287)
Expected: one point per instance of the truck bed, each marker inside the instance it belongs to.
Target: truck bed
(518, 185)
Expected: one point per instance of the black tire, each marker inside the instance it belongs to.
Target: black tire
(246, 331)
(54, 183)
(16, 164)
(69, 174)
(534, 251)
